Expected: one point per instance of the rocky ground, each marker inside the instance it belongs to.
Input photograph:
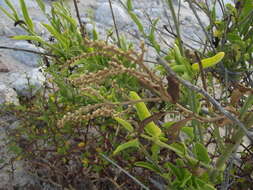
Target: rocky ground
(17, 67)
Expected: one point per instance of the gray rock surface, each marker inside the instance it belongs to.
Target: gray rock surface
(13, 66)
(8, 95)
(103, 15)
(29, 59)
(12, 173)
(28, 83)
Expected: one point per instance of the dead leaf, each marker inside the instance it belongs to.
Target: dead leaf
(175, 128)
(235, 97)
(244, 89)
(226, 121)
(173, 89)
(223, 122)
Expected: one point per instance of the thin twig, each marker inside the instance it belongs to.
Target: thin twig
(171, 7)
(201, 71)
(114, 22)
(201, 24)
(27, 50)
(197, 89)
(125, 172)
(79, 19)
(199, 118)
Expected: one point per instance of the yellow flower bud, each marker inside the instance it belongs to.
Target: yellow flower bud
(81, 144)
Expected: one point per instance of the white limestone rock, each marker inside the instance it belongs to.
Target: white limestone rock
(29, 59)
(103, 15)
(27, 84)
(8, 95)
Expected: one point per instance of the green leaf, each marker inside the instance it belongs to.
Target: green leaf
(148, 166)
(63, 40)
(179, 68)
(68, 18)
(155, 149)
(188, 131)
(247, 8)
(233, 36)
(41, 4)
(175, 170)
(143, 113)
(94, 34)
(14, 12)
(130, 144)
(201, 153)
(129, 5)
(33, 38)
(16, 149)
(125, 124)
(37, 39)
(26, 16)
(209, 62)
(208, 187)
(186, 177)
(182, 63)
(137, 21)
(152, 36)
(168, 124)
(7, 13)
(213, 13)
(179, 148)
(178, 56)
(249, 34)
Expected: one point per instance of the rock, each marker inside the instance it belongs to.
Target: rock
(15, 3)
(29, 59)
(5, 30)
(14, 172)
(8, 95)
(89, 28)
(103, 15)
(13, 175)
(9, 30)
(27, 84)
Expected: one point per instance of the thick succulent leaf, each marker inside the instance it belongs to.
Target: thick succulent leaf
(209, 62)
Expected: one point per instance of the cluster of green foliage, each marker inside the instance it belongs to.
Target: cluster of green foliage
(74, 130)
